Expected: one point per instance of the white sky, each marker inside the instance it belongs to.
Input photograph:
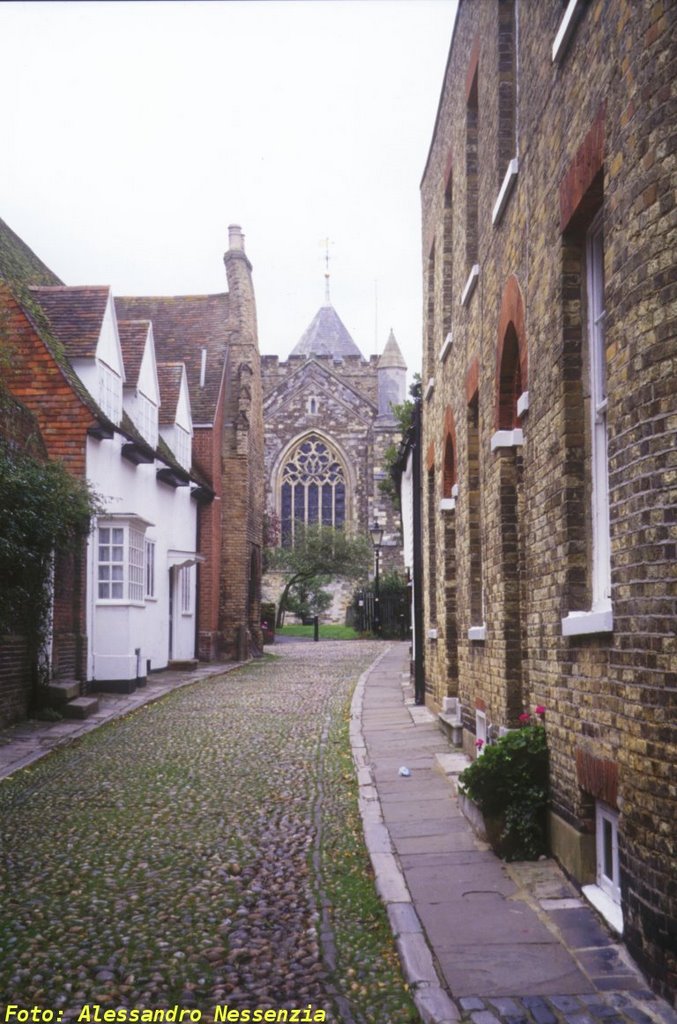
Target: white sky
(134, 133)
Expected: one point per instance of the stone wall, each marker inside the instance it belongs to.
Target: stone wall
(590, 133)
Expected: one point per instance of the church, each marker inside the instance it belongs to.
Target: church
(327, 424)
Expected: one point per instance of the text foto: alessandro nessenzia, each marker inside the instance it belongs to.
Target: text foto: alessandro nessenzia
(92, 1013)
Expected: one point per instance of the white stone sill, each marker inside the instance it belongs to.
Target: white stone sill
(583, 623)
(523, 403)
(447, 504)
(432, 634)
(470, 284)
(477, 633)
(566, 29)
(430, 387)
(610, 911)
(507, 439)
(446, 347)
(505, 190)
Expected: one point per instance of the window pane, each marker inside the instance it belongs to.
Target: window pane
(312, 503)
(608, 849)
(118, 535)
(340, 505)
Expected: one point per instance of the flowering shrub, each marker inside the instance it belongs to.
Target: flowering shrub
(510, 783)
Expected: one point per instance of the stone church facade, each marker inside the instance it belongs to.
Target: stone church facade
(548, 426)
(327, 423)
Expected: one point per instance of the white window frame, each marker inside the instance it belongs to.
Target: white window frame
(606, 825)
(182, 446)
(481, 732)
(148, 419)
(120, 573)
(150, 571)
(110, 392)
(186, 590)
(601, 542)
(599, 619)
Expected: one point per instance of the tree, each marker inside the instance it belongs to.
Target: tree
(318, 552)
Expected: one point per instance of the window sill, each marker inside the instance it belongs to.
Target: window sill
(507, 439)
(447, 504)
(429, 389)
(505, 190)
(477, 633)
(432, 634)
(470, 284)
(523, 404)
(582, 623)
(566, 29)
(121, 602)
(603, 904)
(446, 347)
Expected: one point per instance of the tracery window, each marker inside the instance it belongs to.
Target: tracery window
(313, 487)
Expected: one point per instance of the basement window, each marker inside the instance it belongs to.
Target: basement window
(605, 896)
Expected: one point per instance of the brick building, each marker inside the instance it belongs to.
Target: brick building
(328, 423)
(157, 403)
(549, 365)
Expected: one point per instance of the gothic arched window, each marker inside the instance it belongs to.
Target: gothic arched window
(313, 487)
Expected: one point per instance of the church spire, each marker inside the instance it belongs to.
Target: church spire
(327, 299)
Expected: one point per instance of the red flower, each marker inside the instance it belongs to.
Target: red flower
(540, 711)
(525, 718)
(479, 743)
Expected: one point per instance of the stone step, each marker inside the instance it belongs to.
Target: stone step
(62, 690)
(81, 707)
(452, 727)
(187, 665)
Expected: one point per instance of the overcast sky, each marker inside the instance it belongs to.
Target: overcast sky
(134, 133)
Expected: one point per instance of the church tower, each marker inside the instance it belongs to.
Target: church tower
(327, 424)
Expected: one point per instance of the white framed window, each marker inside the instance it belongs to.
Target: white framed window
(111, 563)
(110, 393)
(150, 569)
(480, 731)
(148, 420)
(186, 590)
(182, 446)
(121, 567)
(608, 872)
(601, 545)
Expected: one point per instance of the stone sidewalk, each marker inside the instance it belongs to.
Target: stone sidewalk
(511, 943)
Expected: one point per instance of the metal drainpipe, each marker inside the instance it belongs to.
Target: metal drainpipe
(419, 674)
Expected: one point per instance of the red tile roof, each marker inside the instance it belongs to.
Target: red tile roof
(183, 326)
(133, 334)
(169, 377)
(75, 316)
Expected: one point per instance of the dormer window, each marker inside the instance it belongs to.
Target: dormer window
(110, 393)
(148, 419)
(182, 446)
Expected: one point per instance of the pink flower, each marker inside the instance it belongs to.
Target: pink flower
(479, 744)
(525, 718)
(540, 711)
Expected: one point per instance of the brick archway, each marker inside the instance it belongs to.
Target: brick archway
(512, 357)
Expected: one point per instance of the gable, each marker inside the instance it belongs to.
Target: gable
(314, 380)
(148, 379)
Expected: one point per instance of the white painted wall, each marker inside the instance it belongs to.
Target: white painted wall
(117, 630)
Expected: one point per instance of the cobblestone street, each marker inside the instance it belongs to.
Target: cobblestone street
(174, 856)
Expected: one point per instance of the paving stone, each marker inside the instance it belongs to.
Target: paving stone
(506, 1007)
(567, 1004)
(484, 1017)
(471, 1003)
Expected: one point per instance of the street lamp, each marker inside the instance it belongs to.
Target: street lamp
(376, 534)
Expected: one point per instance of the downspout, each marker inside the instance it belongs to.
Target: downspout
(419, 674)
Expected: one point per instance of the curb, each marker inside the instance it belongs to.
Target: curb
(431, 999)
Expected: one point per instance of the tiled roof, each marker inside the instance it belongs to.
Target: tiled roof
(18, 263)
(133, 334)
(183, 326)
(75, 315)
(326, 336)
(169, 377)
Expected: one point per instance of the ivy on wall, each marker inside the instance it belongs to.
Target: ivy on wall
(42, 509)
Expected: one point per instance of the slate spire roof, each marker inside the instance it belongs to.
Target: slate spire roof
(391, 357)
(326, 336)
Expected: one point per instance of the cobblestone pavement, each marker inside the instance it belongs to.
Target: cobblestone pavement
(175, 856)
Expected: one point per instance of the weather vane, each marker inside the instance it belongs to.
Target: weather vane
(327, 300)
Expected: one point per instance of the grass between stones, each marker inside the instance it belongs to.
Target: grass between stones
(164, 858)
(366, 957)
(327, 631)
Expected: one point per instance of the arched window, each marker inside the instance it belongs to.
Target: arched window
(449, 474)
(510, 382)
(313, 487)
